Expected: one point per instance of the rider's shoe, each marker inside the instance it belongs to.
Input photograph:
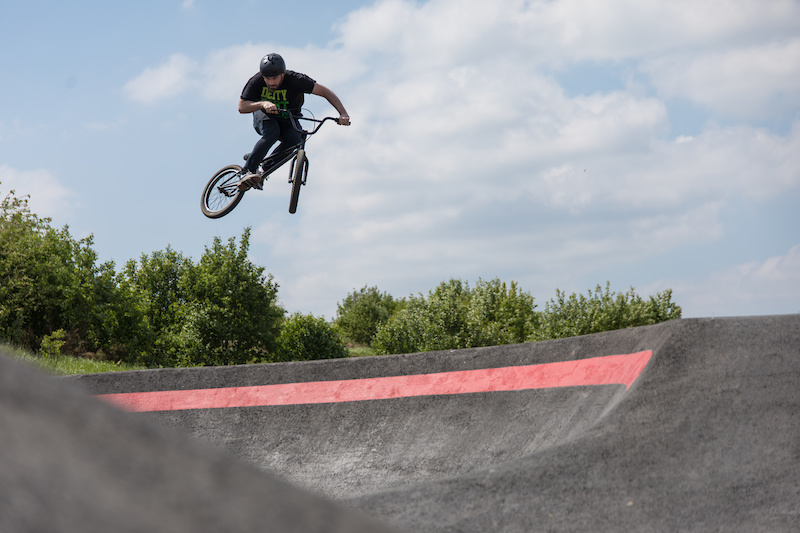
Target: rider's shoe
(257, 181)
(250, 179)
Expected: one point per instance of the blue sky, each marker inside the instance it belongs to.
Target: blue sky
(559, 144)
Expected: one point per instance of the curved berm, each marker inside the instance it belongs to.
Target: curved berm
(688, 425)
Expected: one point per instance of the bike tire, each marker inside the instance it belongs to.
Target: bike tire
(300, 163)
(221, 193)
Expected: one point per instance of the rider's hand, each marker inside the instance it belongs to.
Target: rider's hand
(269, 107)
(344, 120)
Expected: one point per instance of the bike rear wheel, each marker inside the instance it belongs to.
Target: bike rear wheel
(298, 175)
(222, 193)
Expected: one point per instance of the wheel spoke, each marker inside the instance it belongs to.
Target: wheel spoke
(222, 194)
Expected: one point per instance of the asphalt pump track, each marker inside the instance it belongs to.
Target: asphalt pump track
(689, 425)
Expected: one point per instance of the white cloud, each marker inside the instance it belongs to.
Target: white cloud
(168, 80)
(224, 72)
(47, 197)
(452, 31)
(466, 157)
(619, 29)
(221, 74)
(690, 50)
(752, 82)
(769, 286)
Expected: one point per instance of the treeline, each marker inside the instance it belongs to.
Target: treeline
(162, 310)
(166, 310)
(455, 315)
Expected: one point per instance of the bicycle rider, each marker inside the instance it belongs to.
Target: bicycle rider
(275, 96)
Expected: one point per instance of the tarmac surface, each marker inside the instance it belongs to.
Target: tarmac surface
(689, 425)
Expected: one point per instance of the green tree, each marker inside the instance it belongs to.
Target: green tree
(305, 337)
(602, 310)
(410, 330)
(454, 316)
(232, 312)
(34, 266)
(362, 312)
(50, 281)
(104, 312)
(500, 314)
(221, 311)
(156, 280)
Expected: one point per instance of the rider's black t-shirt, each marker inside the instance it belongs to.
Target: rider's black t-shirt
(290, 95)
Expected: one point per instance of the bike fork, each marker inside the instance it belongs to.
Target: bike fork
(305, 170)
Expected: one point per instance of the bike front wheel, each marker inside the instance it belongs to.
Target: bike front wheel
(222, 192)
(300, 164)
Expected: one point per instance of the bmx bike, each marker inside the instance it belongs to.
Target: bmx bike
(221, 194)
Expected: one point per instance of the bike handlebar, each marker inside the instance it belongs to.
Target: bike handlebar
(319, 123)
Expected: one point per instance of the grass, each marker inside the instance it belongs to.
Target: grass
(66, 365)
(356, 349)
(360, 351)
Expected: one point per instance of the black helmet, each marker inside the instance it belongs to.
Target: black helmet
(272, 65)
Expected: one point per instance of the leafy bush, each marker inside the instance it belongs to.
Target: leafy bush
(305, 337)
(157, 278)
(455, 316)
(234, 312)
(36, 274)
(361, 313)
(50, 282)
(165, 311)
(603, 311)
(162, 311)
(51, 344)
(221, 311)
(500, 315)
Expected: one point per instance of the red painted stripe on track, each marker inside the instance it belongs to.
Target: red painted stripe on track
(607, 370)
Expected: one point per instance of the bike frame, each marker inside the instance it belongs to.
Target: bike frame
(275, 160)
(222, 194)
